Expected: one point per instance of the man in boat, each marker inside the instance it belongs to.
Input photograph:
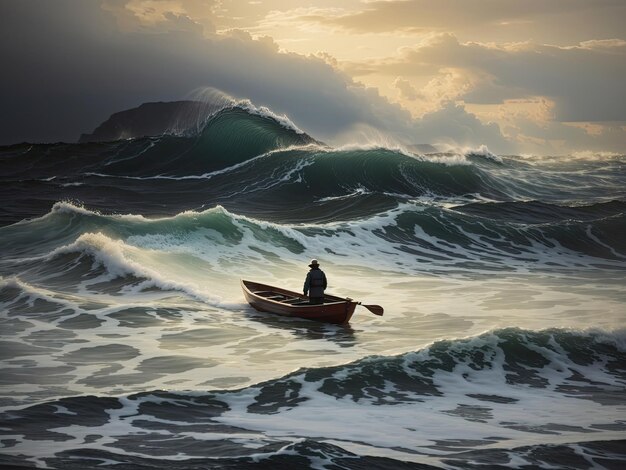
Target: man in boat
(315, 283)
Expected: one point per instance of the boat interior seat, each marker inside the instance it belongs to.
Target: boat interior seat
(276, 297)
(264, 293)
(272, 295)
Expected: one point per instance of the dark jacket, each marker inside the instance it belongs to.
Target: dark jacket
(315, 283)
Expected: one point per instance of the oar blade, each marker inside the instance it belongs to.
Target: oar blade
(375, 309)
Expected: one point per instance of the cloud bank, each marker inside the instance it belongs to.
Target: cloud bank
(74, 63)
(576, 92)
(563, 19)
(70, 64)
(585, 80)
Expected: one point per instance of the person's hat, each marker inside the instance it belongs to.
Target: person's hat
(313, 263)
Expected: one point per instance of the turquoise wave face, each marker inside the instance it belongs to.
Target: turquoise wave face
(230, 137)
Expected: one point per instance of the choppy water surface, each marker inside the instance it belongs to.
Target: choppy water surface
(126, 342)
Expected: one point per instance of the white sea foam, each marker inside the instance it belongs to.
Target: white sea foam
(117, 259)
(221, 171)
(360, 191)
(263, 111)
(586, 156)
(374, 145)
(405, 424)
(595, 155)
(452, 159)
(418, 426)
(70, 208)
(447, 160)
(362, 242)
(31, 293)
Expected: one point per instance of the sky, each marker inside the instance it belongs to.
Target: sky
(532, 76)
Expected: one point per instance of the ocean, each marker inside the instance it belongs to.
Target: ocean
(126, 341)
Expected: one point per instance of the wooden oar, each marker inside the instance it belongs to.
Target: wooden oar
(375, 309)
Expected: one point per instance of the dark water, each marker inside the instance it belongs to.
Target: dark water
(126, 343)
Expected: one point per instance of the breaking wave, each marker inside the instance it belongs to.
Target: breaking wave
(508, 391)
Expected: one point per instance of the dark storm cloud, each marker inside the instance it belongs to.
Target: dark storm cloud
(68, 66)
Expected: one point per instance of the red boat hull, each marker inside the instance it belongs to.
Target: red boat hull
(287, 303)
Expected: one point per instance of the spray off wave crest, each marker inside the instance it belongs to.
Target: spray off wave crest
(215, 101)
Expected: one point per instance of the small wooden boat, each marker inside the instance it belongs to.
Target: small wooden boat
(292, 304)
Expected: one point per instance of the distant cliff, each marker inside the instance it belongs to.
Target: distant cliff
(149, 119)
